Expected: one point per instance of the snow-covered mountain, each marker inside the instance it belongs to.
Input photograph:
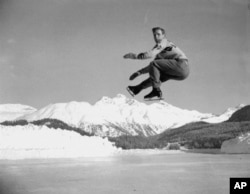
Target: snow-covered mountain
(13, 111)
(120, 115)
(224, 116)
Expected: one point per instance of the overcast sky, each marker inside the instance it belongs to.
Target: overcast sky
(60, 50)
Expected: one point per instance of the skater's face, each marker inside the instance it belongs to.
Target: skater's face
(158, 36)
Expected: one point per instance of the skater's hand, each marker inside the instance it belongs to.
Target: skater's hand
(141, 56)
(130, 56)
(134, 75)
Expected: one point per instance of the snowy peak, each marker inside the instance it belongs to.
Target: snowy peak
(119, 116)
(70, 113)
(224, 116)
(231, 110)
(16, 108)
(10, 112)
(119, 100)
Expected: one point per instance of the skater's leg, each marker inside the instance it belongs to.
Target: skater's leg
(161, 71)
(148, 82)
(155, 74)
(172, 68)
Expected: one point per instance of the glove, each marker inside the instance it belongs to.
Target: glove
(130, 56)
(141, 56)
(169, 48)
(134, 75)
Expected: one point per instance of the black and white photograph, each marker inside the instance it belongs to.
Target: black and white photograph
(124, 96)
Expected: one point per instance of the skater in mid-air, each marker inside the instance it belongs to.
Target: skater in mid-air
(169, 63)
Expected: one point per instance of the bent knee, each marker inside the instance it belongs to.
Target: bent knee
(184, 75)
(185, 72)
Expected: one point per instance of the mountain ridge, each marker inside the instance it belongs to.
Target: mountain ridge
(242, 114)
(122, 116)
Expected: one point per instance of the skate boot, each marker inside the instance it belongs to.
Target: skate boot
(133, 90)
(156, 92)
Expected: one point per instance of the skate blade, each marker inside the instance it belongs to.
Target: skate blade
(130, 92)
(153, 99)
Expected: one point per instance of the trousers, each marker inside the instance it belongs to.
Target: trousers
(162, 70)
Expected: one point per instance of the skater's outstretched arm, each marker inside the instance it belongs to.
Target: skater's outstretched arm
(144, 55)
(149, 54)
(130, 56)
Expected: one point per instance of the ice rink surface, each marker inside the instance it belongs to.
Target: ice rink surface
(142, 172)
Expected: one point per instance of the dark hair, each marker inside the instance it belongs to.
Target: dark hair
(158, 28)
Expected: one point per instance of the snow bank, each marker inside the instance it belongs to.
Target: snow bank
(239, 145)
(30, 141)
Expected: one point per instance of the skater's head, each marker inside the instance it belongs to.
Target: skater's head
(159, 34)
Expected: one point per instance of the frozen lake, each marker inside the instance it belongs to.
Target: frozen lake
(143, 172)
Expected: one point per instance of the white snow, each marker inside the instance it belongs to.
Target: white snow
(238, 145)
(116, 116)
(10, 112)
(128, 114)
(70, 113)
(104, 118)
(224, 116)
(30, 141)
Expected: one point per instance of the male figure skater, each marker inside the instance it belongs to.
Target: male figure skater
(169, 63)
